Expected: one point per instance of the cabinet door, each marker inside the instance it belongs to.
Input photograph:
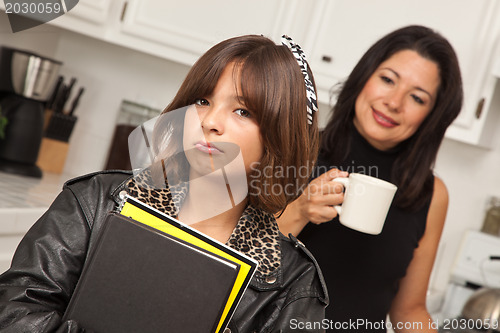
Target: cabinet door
(479, 118)
(349, 27)
(92, 10)
(85, 15)
(89, 17)
(186, 29)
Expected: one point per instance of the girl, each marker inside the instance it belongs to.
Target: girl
(248, 92)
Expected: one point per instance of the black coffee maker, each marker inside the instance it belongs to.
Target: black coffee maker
(26, 83)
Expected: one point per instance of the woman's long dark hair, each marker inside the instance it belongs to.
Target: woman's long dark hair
(412, 170)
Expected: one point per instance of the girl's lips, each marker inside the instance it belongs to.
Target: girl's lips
(208, 147)
(384, 120)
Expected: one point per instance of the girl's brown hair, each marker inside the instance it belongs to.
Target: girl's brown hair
(273, 88)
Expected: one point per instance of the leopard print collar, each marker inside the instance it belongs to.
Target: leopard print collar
(255, 235)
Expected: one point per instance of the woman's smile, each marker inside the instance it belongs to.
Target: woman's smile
(384, 120)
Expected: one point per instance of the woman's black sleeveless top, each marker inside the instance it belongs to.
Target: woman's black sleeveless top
(362, 271)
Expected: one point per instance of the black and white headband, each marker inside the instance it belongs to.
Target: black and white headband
(312, 101)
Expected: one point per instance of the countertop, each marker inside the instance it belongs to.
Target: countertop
(24, 199)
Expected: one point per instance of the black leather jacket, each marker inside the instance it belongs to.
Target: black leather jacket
(47, 264)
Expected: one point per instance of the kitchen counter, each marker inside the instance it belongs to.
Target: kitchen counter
(22, 201)
(27, 192)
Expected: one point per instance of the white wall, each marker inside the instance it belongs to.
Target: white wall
(472, 175)
(111, 74)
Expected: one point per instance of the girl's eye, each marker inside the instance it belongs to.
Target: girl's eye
(243, 113)
(418, 99)
(201, 101)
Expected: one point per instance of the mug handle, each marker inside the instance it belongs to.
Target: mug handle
(344, 181)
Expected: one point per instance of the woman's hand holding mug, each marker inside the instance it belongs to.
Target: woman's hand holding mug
(365, 200)
(316, 204)
(361, 201)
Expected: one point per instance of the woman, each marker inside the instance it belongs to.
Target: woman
(389, 120)
(243, 89)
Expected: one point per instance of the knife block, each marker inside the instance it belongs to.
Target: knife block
(54, 147)
(52, 155)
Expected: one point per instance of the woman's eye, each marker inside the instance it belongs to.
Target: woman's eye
(386, 79)
(201, 101)
(242, 113)
(418, 99)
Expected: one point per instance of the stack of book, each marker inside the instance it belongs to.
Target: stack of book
(149, 272)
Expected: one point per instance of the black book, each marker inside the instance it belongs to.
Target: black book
(140, 279)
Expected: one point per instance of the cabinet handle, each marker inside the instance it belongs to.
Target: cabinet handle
(124, 10)
(326, 58)
(479, 108)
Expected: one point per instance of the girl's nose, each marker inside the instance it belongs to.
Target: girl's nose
(212, 120)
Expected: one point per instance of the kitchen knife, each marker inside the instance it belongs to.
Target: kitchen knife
(51, 102)
(57, 106)
(67, 93)
(76, 100)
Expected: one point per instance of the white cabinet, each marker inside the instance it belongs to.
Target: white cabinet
(480, 116)
(95, 11)
(91, 17)
(180, 31)
(348, 28)
(184, 30)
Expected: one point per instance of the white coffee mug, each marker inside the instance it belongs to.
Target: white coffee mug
(366, 202)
